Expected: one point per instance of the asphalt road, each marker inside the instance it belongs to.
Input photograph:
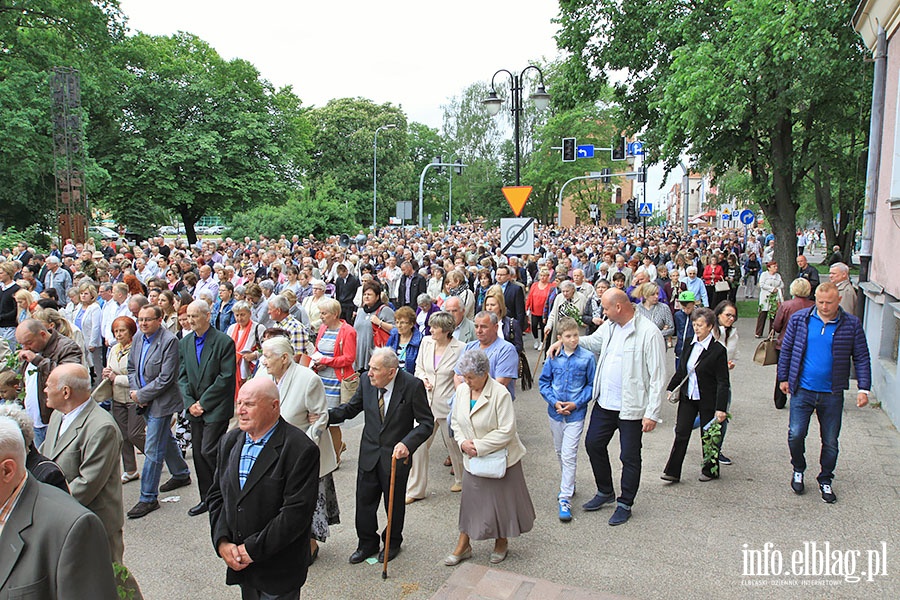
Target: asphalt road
(689, 540)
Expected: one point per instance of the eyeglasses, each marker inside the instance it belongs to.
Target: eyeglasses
(729, 315)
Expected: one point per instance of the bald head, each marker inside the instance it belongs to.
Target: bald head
(258, 407)
(68, 387)
(616, 306)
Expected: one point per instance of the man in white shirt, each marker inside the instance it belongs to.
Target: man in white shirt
(628, 388)
(206, 283)
(115, 307)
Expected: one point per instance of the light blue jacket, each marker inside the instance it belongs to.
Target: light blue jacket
(568, 379)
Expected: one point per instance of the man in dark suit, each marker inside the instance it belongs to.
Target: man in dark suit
(392, 400)
(263, 497)
(513, 295)
(411, 286)
(206, 379)
(153, 379)
(345, 287)
(53, 547)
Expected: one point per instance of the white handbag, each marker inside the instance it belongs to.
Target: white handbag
(491, 466)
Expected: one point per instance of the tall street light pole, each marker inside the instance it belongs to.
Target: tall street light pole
(375, 174)
(540, 98)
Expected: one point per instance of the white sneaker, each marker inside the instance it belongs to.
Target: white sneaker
(537, 344)
(126, 476)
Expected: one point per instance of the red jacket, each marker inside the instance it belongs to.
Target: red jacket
(344, 350)
(713, 273)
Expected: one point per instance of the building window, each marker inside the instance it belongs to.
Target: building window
(895, 166)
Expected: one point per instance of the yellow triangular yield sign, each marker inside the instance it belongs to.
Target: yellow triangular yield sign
(517, 196)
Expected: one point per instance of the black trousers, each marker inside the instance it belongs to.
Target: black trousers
(604, 423)
(205, 447)
(373, 487)
(684, 426)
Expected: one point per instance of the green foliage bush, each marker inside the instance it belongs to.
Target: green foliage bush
(302, 217)
(33, 236)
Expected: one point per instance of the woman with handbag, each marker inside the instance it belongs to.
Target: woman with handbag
(702, 385)
(437, 357)
(303, 405)
(800, 290)
(373, 324)
(333, 361)
(495, 502)
(714, 280)
(770, 286)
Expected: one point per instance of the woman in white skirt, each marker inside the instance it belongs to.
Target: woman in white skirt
(484, 426)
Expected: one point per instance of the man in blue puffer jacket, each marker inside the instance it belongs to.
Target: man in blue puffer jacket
(814, 367)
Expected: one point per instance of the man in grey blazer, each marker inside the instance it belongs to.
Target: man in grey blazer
(52, 546)
(153, 377)
(84, 440)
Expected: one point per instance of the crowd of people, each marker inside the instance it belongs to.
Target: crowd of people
(252, 353)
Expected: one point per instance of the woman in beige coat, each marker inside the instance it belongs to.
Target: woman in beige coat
(434, 366)
(484, 423)
(124, 410)
(303, 406)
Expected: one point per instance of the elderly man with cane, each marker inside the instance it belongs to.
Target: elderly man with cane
(393, 401)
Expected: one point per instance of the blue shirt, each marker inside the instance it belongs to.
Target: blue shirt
(199, 340)
(250, 452)
(504, 361)
(568, 378)
(815, 373)
(145, 347)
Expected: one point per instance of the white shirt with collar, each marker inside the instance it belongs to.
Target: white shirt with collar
(388, 393)
(70, 416)
(697, 348)
(610, 396)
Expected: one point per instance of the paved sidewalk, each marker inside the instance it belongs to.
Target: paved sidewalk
(481, 583)
(687, 540)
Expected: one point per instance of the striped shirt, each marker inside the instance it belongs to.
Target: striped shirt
(250, 452)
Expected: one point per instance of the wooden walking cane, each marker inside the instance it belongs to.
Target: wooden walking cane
(387, 536)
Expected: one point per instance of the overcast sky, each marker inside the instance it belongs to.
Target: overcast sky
(413, 54)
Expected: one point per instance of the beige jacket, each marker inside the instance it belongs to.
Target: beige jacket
(490, 424)
(302, 394)
(118, 362)
(441, 378)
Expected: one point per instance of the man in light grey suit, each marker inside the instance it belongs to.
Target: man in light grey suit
(153, 365)
(52, 546)
(85, 441)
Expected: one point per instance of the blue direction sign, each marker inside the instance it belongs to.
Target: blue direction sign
(635, 148)
(585, 151)
(747, 216)
(645, 209)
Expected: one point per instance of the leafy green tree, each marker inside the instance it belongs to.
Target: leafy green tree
(342, 140)
(199, 134)
(36, 35)
(753, 84)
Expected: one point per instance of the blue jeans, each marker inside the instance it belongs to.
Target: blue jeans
(604, 423)
(39, 434)
(160, 446)
(828, 407)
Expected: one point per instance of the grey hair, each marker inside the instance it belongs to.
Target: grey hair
(279, 302)
(267, 284)
(388, 357)
(76, 378)
(280, 345)
(207, 295)
(486, 313)
(201, 306)
(691, 269)
(239, 290)
(843, 268)
(241, 306)
(12, 443)
(443, 321)
(566, 285)
(423, 299)
(18, 414)
(474, 362)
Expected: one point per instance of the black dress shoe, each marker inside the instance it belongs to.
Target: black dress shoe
(142, 509)
(360, 555)
(198, 510)
(174, 483)
(391, 555)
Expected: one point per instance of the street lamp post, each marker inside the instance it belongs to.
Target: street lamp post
(375, 174)
(540, 98)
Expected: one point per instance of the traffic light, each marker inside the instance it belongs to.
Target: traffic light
(437, 160)
(618, 148)
(630, 213)
(604, 175)
(569, 148)
(642, 174)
